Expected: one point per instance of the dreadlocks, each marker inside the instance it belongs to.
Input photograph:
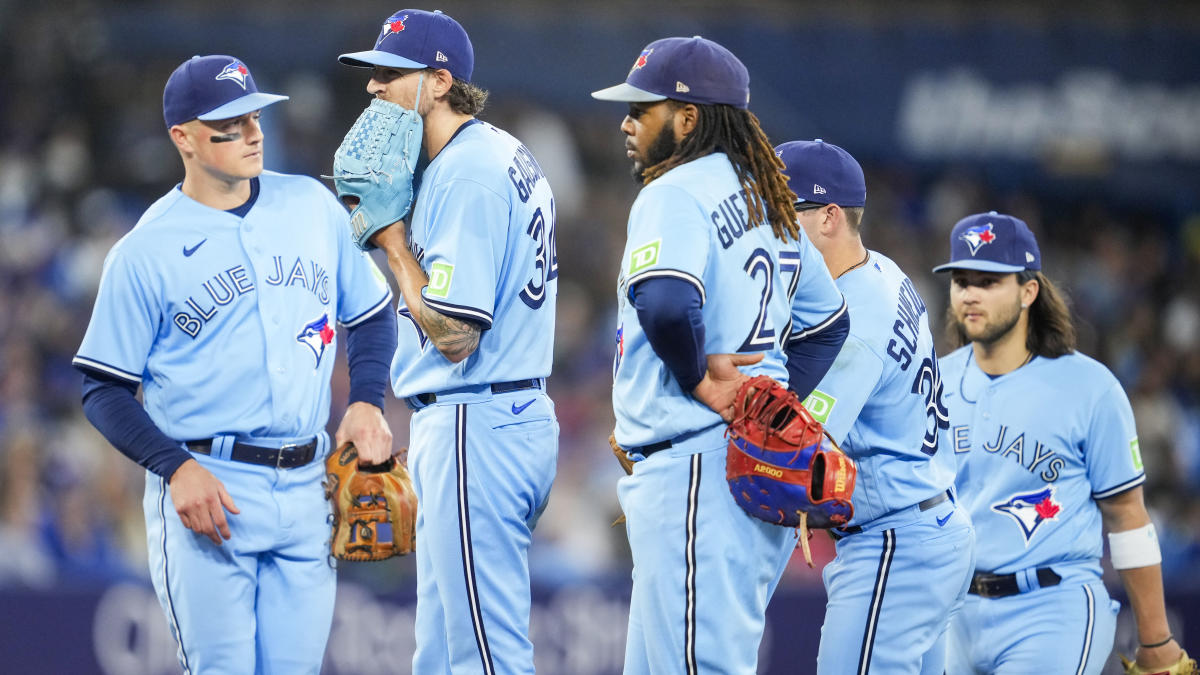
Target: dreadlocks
(736, 132)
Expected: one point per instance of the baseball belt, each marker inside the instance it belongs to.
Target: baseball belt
(923, 505)
(988, 585)
(497, 388)
(287, 456)
(647, 450)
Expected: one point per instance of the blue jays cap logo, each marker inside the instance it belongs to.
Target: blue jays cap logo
(235, 71)
(392, 26)
(641, 59)
(1030, 509)
(317, 334)
(976, 237)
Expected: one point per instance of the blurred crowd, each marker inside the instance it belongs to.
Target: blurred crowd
(83, 152)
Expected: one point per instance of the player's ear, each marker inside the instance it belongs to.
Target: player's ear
(1029, 292)
(831, 214)
(687, 116)
(181, 138)
(442, 81)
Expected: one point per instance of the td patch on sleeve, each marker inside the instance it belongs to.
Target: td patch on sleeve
(440, 275)
(819, 405)
(644, 256)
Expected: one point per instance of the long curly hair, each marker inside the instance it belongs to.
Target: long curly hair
(737, 133)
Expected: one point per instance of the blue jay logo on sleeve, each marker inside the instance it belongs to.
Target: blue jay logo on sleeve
(317, 334)
(976, 237)
(236, 72)
(1030, 509)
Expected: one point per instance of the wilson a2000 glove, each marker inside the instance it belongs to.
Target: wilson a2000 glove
(373, 168)
(781, 465)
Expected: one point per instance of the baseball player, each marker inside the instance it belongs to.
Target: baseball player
(1047, 453)
(478, 269)
(224, 304)
(881, 401)
(716, 275)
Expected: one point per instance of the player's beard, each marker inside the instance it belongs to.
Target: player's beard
(661, 149)
(994, 329)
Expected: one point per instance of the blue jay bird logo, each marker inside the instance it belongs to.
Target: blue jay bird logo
(236, 72)
(976, 237)
(317, 335)
(1031, 509)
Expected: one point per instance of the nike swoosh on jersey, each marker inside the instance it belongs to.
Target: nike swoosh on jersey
(187, 252)
(518, 409)
(942, 521)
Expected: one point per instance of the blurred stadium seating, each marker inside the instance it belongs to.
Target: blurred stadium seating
(1083, 119)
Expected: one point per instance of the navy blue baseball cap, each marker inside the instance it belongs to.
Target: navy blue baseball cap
(992, 242)
(694, 70)
(823, 173)
(214, 87)
(415, 38)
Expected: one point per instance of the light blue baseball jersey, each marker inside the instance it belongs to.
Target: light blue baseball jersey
(219, 317)
(881, 399)
(757, 292)
(1036, 447)
(485, 238)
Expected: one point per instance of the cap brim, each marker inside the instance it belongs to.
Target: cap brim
(375, 57)
(627, 93)
(979, 266)
(240, 106)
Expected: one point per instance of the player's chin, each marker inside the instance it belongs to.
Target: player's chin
(638, 171)
(251, 165)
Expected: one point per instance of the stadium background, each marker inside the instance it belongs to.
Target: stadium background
(1083, 119)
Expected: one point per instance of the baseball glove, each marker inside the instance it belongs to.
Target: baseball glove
(623, 459)
(620, 454)
(1184, 666)
(374, 507)
(373, 168)
(781, 465)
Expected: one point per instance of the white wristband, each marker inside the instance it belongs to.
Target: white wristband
(1134, 548)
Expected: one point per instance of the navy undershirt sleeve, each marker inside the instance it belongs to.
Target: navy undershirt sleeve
(810, 358)
(369, 349)
(669, 311)
(110, 405)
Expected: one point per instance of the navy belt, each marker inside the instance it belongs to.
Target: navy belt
(988, 585)
(647, 450)
(497, 388)
(287, 456)
(923, 506)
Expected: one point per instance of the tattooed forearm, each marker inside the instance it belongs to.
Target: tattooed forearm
(456, 339)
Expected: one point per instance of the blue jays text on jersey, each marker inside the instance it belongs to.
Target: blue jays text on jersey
(231, 284)
(187, 321)
(1036, 448)
(1040, 460)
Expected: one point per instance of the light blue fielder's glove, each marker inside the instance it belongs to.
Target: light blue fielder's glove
(373, 168)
